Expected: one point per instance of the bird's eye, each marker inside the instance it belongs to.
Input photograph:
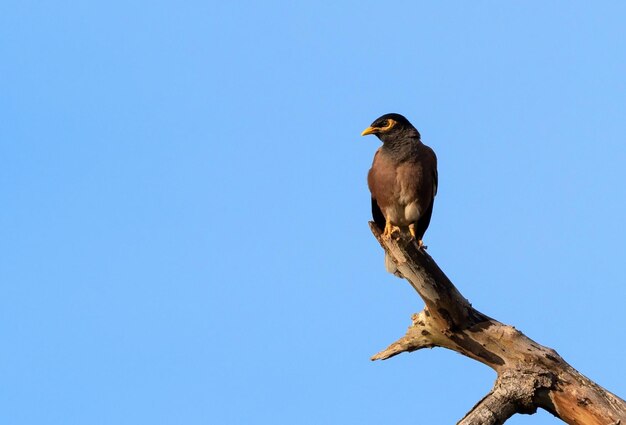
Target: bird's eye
(384, 124)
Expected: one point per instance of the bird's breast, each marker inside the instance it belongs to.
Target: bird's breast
(394, 186)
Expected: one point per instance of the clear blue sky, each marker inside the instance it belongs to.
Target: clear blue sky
(184, 211)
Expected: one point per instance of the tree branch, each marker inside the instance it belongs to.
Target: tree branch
(530, 376)
(420, 335)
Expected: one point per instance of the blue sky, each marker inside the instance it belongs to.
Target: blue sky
(184, 223)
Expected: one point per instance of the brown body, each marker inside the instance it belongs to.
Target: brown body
(404, 189)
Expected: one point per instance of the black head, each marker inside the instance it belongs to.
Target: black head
(391, 127)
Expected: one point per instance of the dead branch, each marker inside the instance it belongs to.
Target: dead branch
(530, 376)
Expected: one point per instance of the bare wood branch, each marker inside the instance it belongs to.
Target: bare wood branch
(530, 376)
(420, 335)
(493, 409)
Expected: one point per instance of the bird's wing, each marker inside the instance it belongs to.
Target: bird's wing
(430, 164)
(377, 215)
(433, 166)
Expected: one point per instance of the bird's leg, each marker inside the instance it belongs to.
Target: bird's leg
(420, 243)
(388, 228)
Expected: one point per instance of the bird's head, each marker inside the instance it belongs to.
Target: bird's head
(392, 127)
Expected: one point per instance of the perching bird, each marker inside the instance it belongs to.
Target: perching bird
(402, 180)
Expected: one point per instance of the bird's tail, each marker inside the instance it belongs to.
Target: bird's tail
(391, 267)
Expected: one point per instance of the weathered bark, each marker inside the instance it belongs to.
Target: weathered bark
(530, 376)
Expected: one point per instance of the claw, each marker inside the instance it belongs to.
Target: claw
(388, 229)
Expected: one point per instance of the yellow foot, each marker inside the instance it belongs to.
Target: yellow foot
(420, 244)
(388, 229)
(412, 232)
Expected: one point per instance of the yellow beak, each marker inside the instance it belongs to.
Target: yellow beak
(369, 130)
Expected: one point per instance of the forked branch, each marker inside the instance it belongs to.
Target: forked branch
(530, 376)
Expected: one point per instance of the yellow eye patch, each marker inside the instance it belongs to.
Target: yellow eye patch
(373, 130)
(389, 126)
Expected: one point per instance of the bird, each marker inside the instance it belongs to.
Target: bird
(403, 179)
